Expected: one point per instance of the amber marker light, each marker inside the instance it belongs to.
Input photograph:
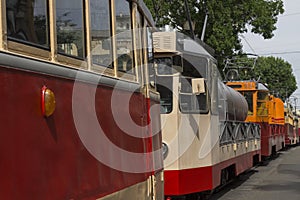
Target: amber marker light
(48, 102)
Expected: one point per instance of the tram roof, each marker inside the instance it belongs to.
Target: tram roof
(261, 86)
(194, 47)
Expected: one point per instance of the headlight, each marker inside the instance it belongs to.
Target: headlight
(165, 150)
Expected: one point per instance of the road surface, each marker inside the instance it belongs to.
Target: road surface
(277, 179)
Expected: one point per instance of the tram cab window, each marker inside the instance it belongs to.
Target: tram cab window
(262, 98)
(124, 36)
(164, 66)
(249, 98)
(27, 21)
(177, 63)
(189, 102)
(70, 27)
(168, 65)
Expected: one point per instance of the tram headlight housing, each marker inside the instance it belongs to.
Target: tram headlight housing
(165, 150)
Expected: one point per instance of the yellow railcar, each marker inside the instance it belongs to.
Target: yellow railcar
(266, 110)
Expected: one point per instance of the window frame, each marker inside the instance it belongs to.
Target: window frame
(70, 59)
(50, 53)
(194, 99)
(25, 47)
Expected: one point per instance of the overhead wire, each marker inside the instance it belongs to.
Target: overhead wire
(277, 53)
(291, 14)
(252, 49)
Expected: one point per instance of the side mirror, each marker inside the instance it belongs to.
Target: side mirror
(198, 86)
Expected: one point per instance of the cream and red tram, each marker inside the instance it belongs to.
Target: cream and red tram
(291, 125)
(75, 117)
(205, 141)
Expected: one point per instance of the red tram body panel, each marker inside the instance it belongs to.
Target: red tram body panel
(45, 158)
(188, 181)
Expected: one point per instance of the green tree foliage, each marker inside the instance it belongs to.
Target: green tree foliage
(160, 11)
(227, 19)
(276, 73)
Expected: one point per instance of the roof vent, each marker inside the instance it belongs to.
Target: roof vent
(164, 42)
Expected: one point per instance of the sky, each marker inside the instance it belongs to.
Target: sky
(285, 43)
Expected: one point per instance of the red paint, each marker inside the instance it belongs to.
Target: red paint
(266, 139)
(44, 158)
(289, 133)
(186, 181)
(270, 132)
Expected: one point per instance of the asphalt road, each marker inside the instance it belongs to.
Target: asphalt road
(277, 179)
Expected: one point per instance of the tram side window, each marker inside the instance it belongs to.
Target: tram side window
(149, 44)
(189, 102)
(249, 98)
(70, 27)
(124, 36)
(27, 21)
(101, 32)
(139, 38)
(165, 88)
(151, 69)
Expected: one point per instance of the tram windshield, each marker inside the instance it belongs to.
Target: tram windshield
(168, 65)
(262, 98)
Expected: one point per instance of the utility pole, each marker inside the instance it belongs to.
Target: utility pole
(295, 101)
(189, 19)
(204, 26)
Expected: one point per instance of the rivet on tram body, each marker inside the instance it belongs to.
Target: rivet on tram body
(48, 101)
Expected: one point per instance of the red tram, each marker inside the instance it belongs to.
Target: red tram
(78, 119)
